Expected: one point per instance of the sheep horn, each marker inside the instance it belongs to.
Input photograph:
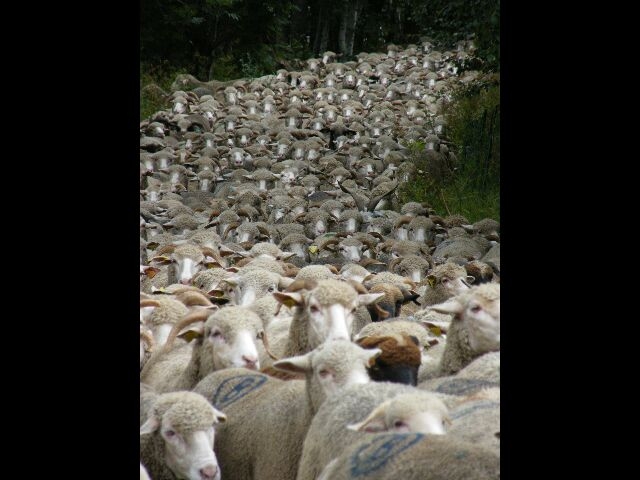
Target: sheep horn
(402, 221)
(333, 269)
(166, 249)
(302, 284)
(229, 228)
(357, 286)
(149, 338)
(189, 319)
(331, 241)
(370, 245)
(149, 303)
(210, 252)
(192, 298)
(393, 263)
(194, 317)
(377, 235)
(263, 230)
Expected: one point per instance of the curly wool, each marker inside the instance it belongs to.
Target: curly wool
(331, 292)
(170, 310)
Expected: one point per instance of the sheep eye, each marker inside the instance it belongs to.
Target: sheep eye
(476, 308)
(169, 433)
(445, 280)
(216, 334)
(399, 424)
(324, 373)
(272, 288)
(314, 309)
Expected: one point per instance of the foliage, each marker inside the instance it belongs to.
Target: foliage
(223, 39)
(473, 188)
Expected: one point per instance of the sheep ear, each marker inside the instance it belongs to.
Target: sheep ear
(290, 299)
(299, 364)
(287, 255)
(224, 251)
(151, 272)
(212, 264)
(150, 426)
(370, 355)
(219, 416)
(162, 260)
(367, 298)
(193, 331)
(452, 306)
(374, 421)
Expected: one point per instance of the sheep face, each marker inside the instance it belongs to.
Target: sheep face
(243, 290)
(452, 285)
(479, 312)
(328, 309)
(233, 343)
(188, 445)
(330, 367)
(406, 413)
(186, 266)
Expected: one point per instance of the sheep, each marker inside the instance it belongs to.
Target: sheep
(394, 327)
(412, 266)
(476, 419)
(177, 439)
(468, 248)
(147, 345)
(187, 260)
(359, 412)
(161, 314)
(321, 313)
(400, 359)
(315, 272)
(258, 406)
(492, 258)
(475, 328)
(390, 304)
(353, 271)
(251, 284)
(444, 282)
(414, 456)
(296, 243)
(227, 338)
(480, 271)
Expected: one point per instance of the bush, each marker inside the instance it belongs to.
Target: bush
(471, 185)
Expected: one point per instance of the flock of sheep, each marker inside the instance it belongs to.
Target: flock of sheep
(296, 321)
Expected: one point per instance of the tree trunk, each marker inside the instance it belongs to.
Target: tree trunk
(345, 13)
(358, 5)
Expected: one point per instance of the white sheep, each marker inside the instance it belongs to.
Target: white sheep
(176, 440)
(269, 417)
(357, 411)
(226, 338)
(475, 328)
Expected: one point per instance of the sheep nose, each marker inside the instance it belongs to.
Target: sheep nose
(250, 362)
(185, 281)
(208, 472)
